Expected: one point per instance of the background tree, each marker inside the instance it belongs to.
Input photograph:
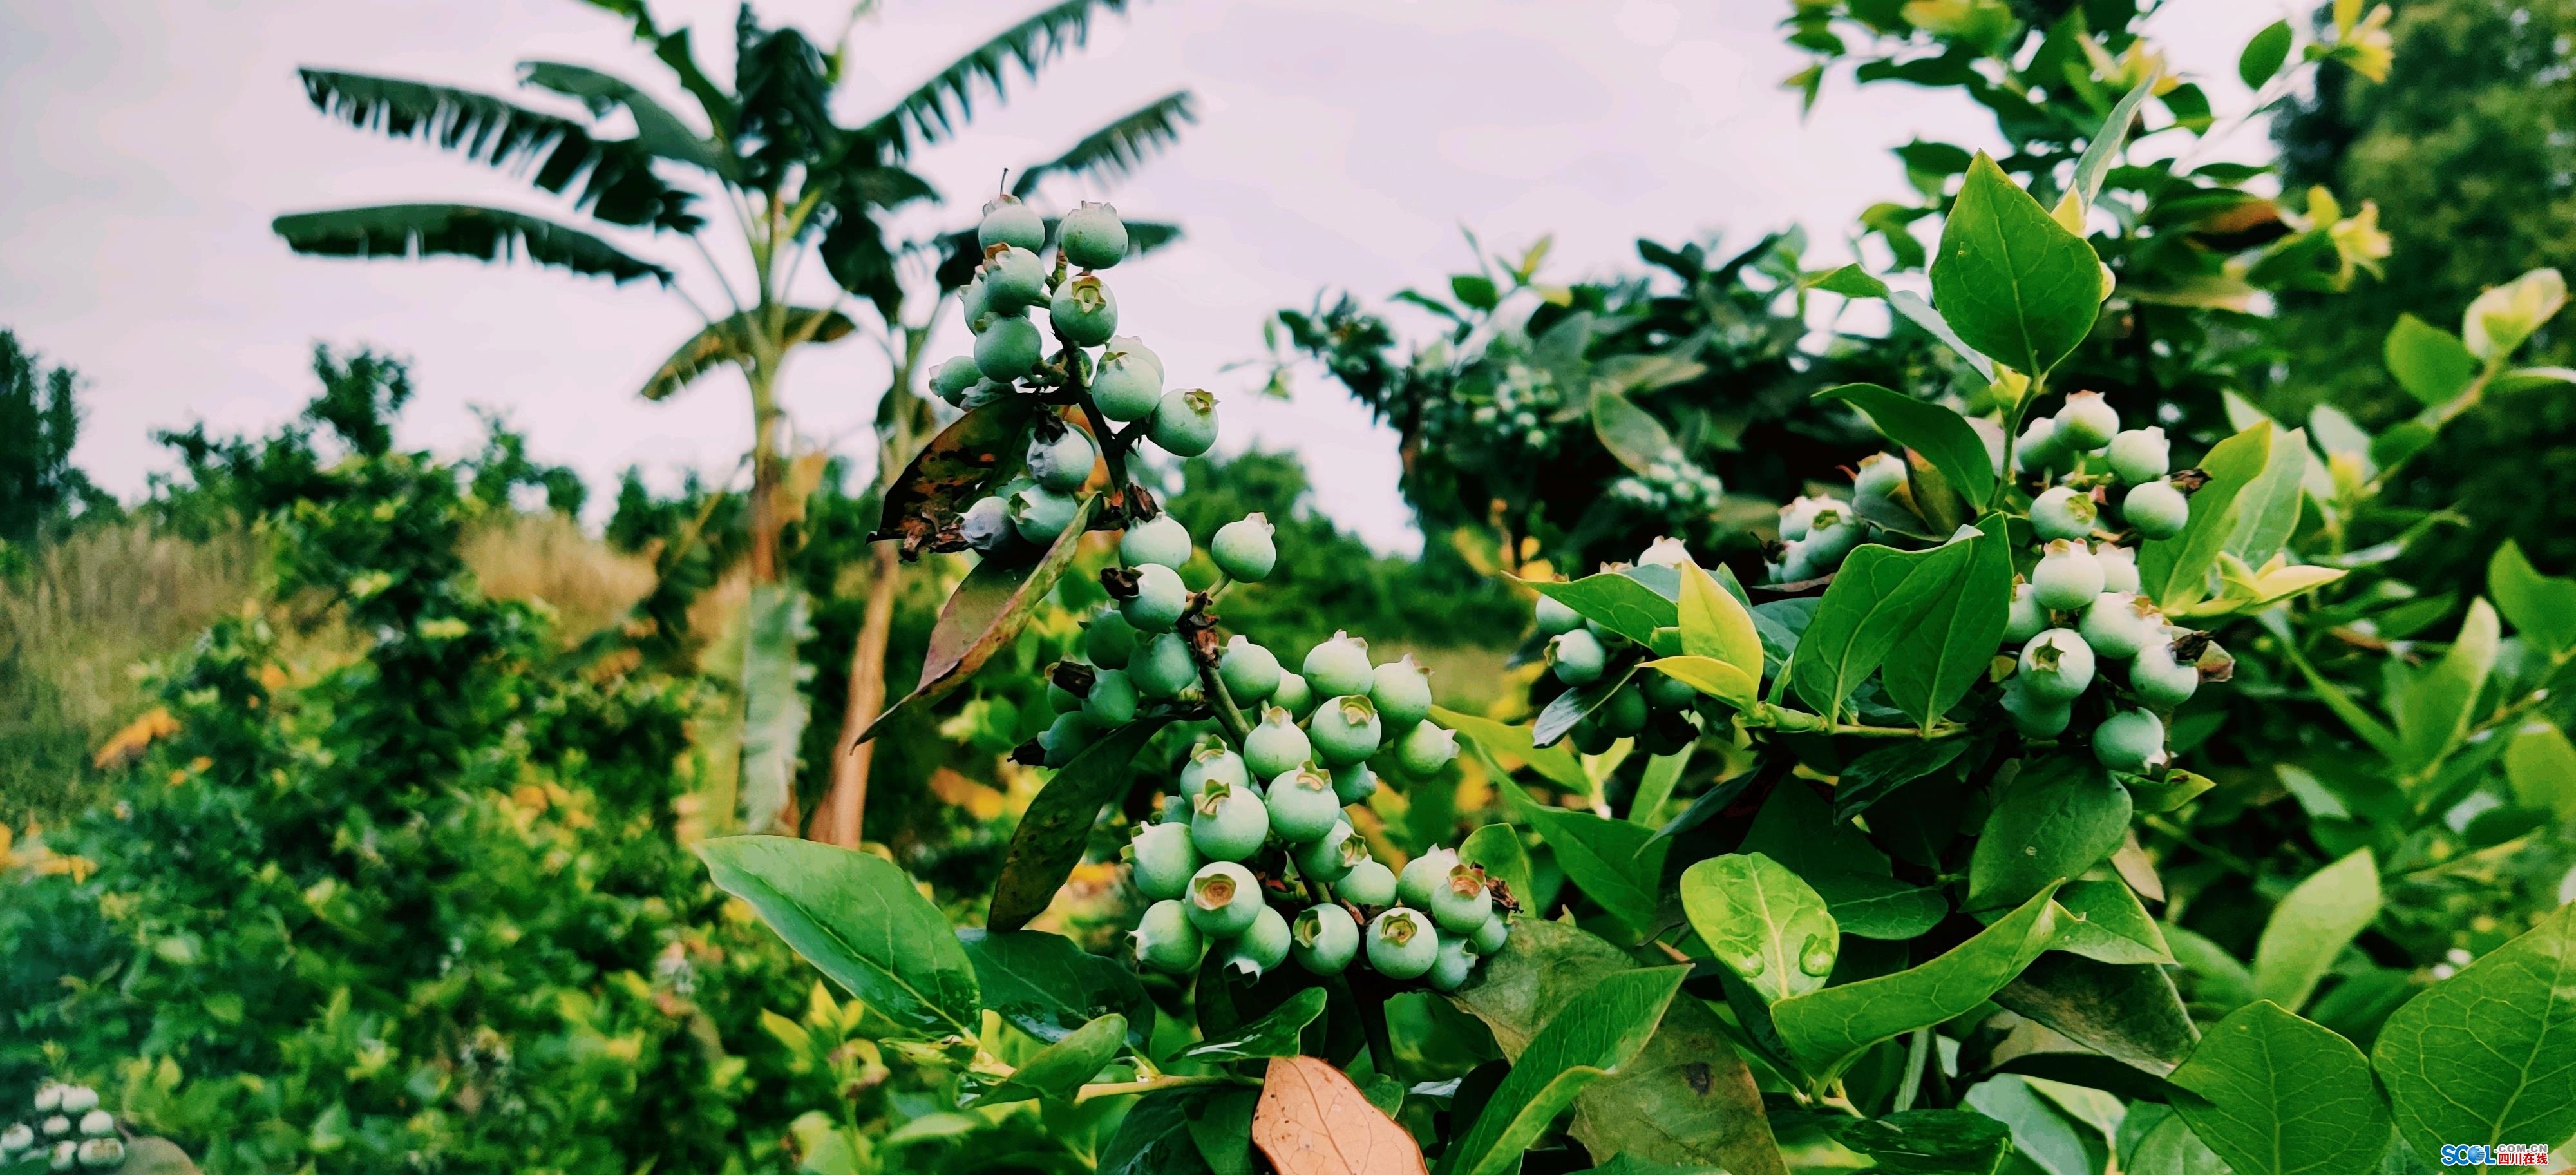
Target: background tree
(39, 421)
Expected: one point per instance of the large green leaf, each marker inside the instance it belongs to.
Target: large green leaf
(2061, 817)
(2489, 1055)
(2312, 925)
(2277, 1095)
(2011, 280)
(1613, 862)
(2267, 509)
(859, 920)
(1498, 848)
(1716, 624)
(1826, 1029)
(1061, 1069)
(2541, 608)
(1926, 1142)
(931, 111)
(2040, 1132)
(1631, 433)
(1941, 435)
(658, 130)
(1592, 1036)
(1501, 740)
(1047, 986)
(1874, 774)
(1764, 923)
(1880, 594)
(618, 184)
(2434, 712)
(2106, 923)
(458, 230)
(2165, 1145)
(732, 341)
(2131, 1014)
(2432, 364)
(1154, 1138)
(1275, 1034)
(2174, 572)
(774, 708)
(1620, 603)
(1709, 676)
(1120, 146)
(1948, 650)
(2541, 765)
(1686, 1099)
(1875, 905)
(1057, 826)
(986, 613)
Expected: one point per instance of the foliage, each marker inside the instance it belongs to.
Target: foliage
(39, 421)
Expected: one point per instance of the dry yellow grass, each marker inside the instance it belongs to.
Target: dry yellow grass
(549, 557)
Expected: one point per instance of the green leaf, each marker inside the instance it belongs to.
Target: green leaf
(2277, 1095)
(1154, 1138)
(1850, 281)
(1921, 313)
(1047, 986)
(156, 1156)
(1686, 1099)
(731, 341)
(2130, 1014)
(1826, 1029)
(2312, 925)
(1061, 1069)
(2432, 364)
(859, 920)
(2541, 765)
(657, 130)
(2040, 1133)
(2267, 509)
(2175, 571)
(1474, 291)
(2433, 713)
(2168, 1147)
(1057, 827)
(2264, 54)
(1873, 905)
(2011, 280)
(985, 614)
(1943, 655)
(1223, 1130)
(774, 709)
(1554, 762)
(1498, 848)
(2063, 816)
(2107, 924)
(1573, 706)
(2103, 149)
(1941, 435)
(1877, 597)
(1616, 602)
(1273, 1035)
(1119, 147)
(412, 231)
(1764, 923)
(1656, 786)
(1718, 625)
(2541, 608)
(1926, 1142)
(1871, 777)
(1595, 1034)
(1709, 676)
(932, 111)
(1613, 862)
(2489, 1055)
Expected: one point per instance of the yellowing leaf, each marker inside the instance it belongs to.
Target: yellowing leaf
(1312, 1121)
(1715, 624)
(1710, 676)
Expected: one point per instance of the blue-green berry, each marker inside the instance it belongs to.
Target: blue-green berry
(2119, 568)
(1038, 515)
(1623, 713)
(2067, 578)
(1112, 700)
(1402, 692)
(1108, 640)
(1293, 694)
(1084, 312)
(1339, 666)
(1425, 749)
(1831, 535)
(2118, 624)
(2038, 450)
(1126, 389)
(1878, 478)
(1262, 945)
(2156, 509)
(1345, 729)
(1161, 666)
(1224, 898)
(1302, 805)
(1369, 883)
(1008, 349)
(1211, 760)
(2033, 715)
(1276, 745)
(1228, 823)
(97, 1124)
(1059, 699)
(1007, 221)
(1069, 735)
(1163, 860)
(2024, 619)
(1491, 936)
(1354, 783)
(2158, 679)
(1168, 939)
(1092, 236)
(1666, 692)
(1160, 540)
(1243, 548)
(1423, 875)
(1184, 423)
(986, 525)
(1459, 902)
(1330, 856)
(2141, 454)
(2062, 513)
(2058, 664)
(1576, 657)
(1402, 944)
(955, 378)
(1554, 617)
(1325, 939)
(1160, 599)
(1014, 281)
(2131, 741)
(1136, 351)
(1250, 672)
(2086, 422)
(1455, 964)
(1064, 462)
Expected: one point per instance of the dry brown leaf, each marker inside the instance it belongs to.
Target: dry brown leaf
(1313, 1121)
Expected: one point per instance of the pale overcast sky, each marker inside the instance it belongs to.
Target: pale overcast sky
(1341, 143)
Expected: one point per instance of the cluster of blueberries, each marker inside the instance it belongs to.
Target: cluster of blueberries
(71, 1132)
(1654, 708)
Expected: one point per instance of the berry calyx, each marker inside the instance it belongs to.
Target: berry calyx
(1459, 902)
(1084, 312)
(1402, 944)
(1223, 899)
(1211, 760)
(1346, 729)
(2057, 664)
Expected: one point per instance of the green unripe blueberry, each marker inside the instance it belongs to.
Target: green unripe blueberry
(1126, 388)
(1424, 874)
(1160, 599)
(1794, 563)
(1667, 692)
(1160, 541)
(1832, 534)
(1455, 963)
(2025, 618)
(1007, 221)
(1168, 939)
(1369, 883)
(2157, 679)
(1007, 350)
(49, 1097)
(1262, 945)
(2086, 422)
(1402, 692)
(2057, 664)
(1554, 618)
(1084, 312)
(1339, 666)
(1490, 937)
(102, 1153)
(1184, 423)
(1161, 666)
(1250, 672)
(1063, 463)
(1293, 694)
(1108, 640)
(1112, 700)
(2062, 513)
(1328, 857)
(2118, 624)
(1576, 657)
(1425, 749)
(1039, 515)
(1243, 548)
(1092, 236)
(1211, 760)
(986, 525)
(2156, 509)
(1276, 745)
(1459, 902)
(972, 304)
(2033, 715)
(1224, 898)
(1878, 476)
(55, 1126)
(1667, 733)
(1014, 281)
(1623, 713)
(1302, 805)
(2119, 568)
(66, 1155)
(1346, 729)
(1325, 939)
(2038, 449)
(2131, 741)
(955, 378)
(1402, 944)
(20, 1137)
(2141, 455)
(1060, 699)
(1162, 860)
(1228, 823)
(1135, 349)
(1069, 735)
(2067, 578)
(1354, 783)
(1589, 739)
